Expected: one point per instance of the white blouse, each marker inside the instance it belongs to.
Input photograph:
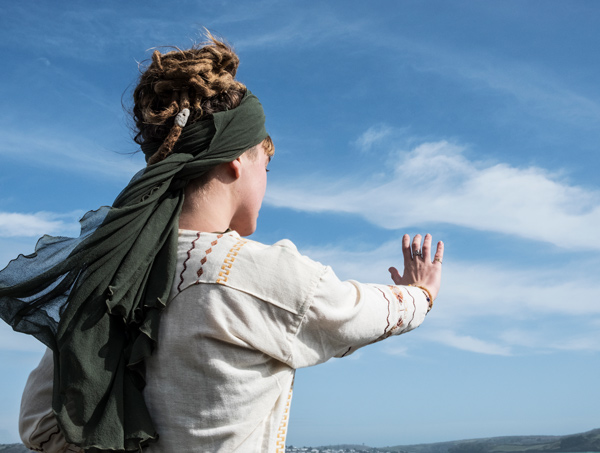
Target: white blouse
(242, 316)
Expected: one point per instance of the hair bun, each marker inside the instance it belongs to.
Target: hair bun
(201, 78)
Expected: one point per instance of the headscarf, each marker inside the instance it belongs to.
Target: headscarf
(96, 300)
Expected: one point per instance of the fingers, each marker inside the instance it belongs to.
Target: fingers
(439, 253)
(416, 246)
(419, 269)
(396, 277)
(406, 249)
(411, 251)
(427, 247)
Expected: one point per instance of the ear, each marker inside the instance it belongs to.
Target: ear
(235, 167)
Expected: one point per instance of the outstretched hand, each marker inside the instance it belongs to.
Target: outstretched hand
(419, 270)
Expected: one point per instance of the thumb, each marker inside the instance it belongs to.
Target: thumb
(396, 277)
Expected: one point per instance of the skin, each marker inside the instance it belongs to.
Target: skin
(420, 270)
(234, 193)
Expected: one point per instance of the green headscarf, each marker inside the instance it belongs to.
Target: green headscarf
(96, 300)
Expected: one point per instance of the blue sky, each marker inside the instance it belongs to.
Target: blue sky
(477, 122)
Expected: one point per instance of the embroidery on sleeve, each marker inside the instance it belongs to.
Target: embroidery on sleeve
(396, 291)
(48, 440)
(226, 267)
(387, 333)
(414, 306)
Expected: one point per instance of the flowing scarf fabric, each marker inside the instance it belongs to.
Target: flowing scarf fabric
(96, 300)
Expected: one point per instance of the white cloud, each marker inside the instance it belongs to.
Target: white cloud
(391, 348)
(466, 343)
(304, 29)
(546, 340)
(14, 224)
(534, 87)
(477, 289)
(73, 153)
(520, 307)
(474, 290)
(435, 183)
(373, 135)
(531, 83)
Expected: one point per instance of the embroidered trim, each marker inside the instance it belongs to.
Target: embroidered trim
(414, 306)
(385, 333)
(200, 271)
(49, 437)
(388, 333)
(226, 267)
(397, 293)
(282, 431)
(387, 319)
(189, 255)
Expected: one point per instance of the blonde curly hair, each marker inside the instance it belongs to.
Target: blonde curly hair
(201, 79)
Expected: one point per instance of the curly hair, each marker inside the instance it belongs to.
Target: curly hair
(201, 79)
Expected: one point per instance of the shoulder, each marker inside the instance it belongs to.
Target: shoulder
(277, 273)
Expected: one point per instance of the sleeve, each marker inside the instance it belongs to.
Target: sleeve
(345, 316)
(38, 427)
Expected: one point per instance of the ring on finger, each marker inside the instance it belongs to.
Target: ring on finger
(438, 260)
(418, 253)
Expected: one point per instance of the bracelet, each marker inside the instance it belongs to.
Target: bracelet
(427, 295)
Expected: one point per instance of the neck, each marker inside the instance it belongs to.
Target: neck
(208, 208)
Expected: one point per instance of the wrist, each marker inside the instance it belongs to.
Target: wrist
(427, 294)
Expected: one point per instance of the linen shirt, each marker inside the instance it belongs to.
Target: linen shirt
(241, 317)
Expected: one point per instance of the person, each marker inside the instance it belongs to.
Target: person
(237, 317)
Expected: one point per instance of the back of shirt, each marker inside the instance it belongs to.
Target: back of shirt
(242, 317)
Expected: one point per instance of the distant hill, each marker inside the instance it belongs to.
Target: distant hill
(572, 443)
(14, 448)
(582, 442)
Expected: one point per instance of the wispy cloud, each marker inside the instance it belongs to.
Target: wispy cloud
(517, 292)
(304, 28)
(392, 348)
(83, 32)
(13, 224)
(373, 135)
(543, 340)
(472, 290)
(68, 152)
(503, 298)
(467, 343)
(436, 183)
(534, 86)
